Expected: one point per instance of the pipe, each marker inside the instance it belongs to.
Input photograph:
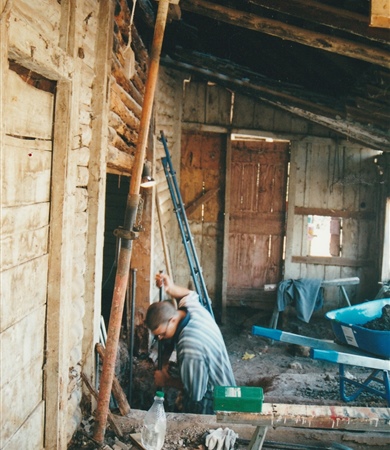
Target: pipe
(122, 274)
(131, 331)
(160, 344)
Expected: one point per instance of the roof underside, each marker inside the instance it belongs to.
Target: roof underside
(317, 59)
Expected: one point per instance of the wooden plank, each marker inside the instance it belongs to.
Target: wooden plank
(27, 217)
(258, 438)
(26, 170)
(332, 17)
(218, 105)
(111, 417)
(22, 289)
(313, 416)
(28, 380)
(164, 243)
(35, 51)
(31, 432)
(204, 198)
(45, 13)
(332, 261)
(284, 31)
(14, 337)
(26, 108)
(24, 246)
(194, 109)
(331, 212)
(226, 231)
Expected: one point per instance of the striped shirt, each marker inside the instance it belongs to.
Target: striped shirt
(202, 356)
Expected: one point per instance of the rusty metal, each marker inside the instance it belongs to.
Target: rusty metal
(133, 198)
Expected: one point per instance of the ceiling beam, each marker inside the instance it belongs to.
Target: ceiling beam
(239, 80)
(288, 32)
(329, 16)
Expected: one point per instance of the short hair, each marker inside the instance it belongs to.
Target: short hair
(159, 313)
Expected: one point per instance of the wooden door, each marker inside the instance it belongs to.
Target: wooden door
(26, 161)
(202, 185)
(257, 218)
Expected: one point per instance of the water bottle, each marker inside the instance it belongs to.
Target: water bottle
(155, 424)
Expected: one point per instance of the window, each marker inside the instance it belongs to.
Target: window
(324, 234)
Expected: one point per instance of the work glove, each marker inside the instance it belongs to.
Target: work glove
(221, 439)
(230, 439)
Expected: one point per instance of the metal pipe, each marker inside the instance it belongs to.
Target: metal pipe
(123, 268)
(160, 344)
(131, 331)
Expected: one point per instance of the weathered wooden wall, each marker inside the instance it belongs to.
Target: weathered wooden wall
(68, 46)
(337, 179)
(168, 111)
(209, 108)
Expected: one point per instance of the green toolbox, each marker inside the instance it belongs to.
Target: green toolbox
(238, 398)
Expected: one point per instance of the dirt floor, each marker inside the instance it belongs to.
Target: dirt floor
(286, 373)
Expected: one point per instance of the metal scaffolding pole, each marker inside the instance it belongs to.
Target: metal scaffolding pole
(126, 233)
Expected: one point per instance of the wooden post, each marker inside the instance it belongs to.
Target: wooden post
(126, 232)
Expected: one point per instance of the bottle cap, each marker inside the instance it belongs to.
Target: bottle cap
(160, 394)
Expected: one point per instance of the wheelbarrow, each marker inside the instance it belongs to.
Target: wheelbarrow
(356, 346)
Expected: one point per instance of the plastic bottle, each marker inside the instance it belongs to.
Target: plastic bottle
(155, 424)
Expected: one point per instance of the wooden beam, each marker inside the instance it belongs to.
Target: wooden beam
(329, 16)
(380, 13)
(359, 215)
(202, 200)
(313, 416)
(288, 32)
(332, 261)
(111, 418)
(163, 237)
(117, 390)
(277, 95)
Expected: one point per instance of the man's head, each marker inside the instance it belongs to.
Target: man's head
(162, 319)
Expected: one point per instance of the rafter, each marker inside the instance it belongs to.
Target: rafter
(329, 16)
(309, 106)
(288, 32)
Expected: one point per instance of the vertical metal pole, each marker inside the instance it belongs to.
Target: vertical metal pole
(131, 331)
(123, 268)
(160, 344)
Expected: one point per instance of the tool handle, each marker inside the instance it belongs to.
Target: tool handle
(160, 344)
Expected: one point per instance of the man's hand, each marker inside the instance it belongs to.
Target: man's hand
(162, 378)
(163, 280)
(177, 292)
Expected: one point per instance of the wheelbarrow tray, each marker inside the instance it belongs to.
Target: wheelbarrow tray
(347, 324)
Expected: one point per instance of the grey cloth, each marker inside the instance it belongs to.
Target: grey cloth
(305, 294)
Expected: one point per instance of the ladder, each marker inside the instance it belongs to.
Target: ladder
(196, 270)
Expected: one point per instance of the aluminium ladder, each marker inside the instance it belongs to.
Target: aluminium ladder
(196, 270)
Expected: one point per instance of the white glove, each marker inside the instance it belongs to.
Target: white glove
(230, 439)
(215, 439)
(221, 439)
